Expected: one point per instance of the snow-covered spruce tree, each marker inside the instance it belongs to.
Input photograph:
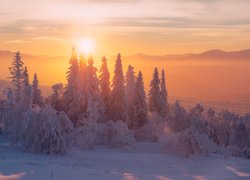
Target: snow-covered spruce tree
(130, 95)
(71, 94)
(25, 80)
(82, 83)
(155, 98)
(164, 94)
(27, 95)
(104, 80)
(118, 93)
(139, 103)
(85, 135)
(37, 94)
(55, 99)
(95, 107)
(16, 75)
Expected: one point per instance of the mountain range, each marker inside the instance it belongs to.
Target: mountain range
(211, 54)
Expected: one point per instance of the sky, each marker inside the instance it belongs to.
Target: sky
(52, 27)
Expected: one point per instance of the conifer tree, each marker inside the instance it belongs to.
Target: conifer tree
(82, 85)
(27, 94)
(16, 75)
(95, 107)
(25, 77)
(71, 94)
(155, 98)
(140, 104)
(129, 92)
(163, 94)
(118, 93)
(37, 94)
(56, 98)
(104, 80)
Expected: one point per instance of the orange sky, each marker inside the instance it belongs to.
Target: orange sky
(130, 26)
(152, 27)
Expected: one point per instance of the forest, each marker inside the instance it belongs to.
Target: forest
(92, 110)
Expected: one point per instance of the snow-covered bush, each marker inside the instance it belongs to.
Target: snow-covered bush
(85, 137)
(188, 142)
(117, 134)
(147, 133)
(177, 119)
(43, 133)
(66, 127)
(114, 134)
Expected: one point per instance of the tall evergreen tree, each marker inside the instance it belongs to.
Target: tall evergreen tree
(82, 85)
(37, 94)
(155, 98)
(25, 77)
(140, 104)
(95, 107)
(27, 94)
(16, 75)
(71, 94)
(129, 92)
(118, 92)
(164, 94)
(105, 90)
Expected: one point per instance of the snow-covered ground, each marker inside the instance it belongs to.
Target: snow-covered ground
(143, 161)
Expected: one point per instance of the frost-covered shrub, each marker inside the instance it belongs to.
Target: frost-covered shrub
(147, 133)
(43, 133)
(85, 137)
(66, 127)
(177, 118)
(157, 123)
(117, 134)
(114, 134)
(188, 142)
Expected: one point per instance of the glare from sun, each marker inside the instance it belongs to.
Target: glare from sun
(86, 46)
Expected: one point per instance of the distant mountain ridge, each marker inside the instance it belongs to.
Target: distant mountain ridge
(210, 54)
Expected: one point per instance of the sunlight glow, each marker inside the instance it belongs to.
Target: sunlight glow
(86, 46)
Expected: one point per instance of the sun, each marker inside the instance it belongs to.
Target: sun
(86, 46)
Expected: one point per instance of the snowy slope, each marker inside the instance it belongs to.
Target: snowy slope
(143, 161)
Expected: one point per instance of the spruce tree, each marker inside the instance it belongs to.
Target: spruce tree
(118, 93)
(71, 94)
(129, 92)
(164, 95)
(104, 80)
(25, 77)
(95, 107)
(16, 75)
(82, 78)
(37, 94)
(27, 94)
(140, 104)
(155, 98)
